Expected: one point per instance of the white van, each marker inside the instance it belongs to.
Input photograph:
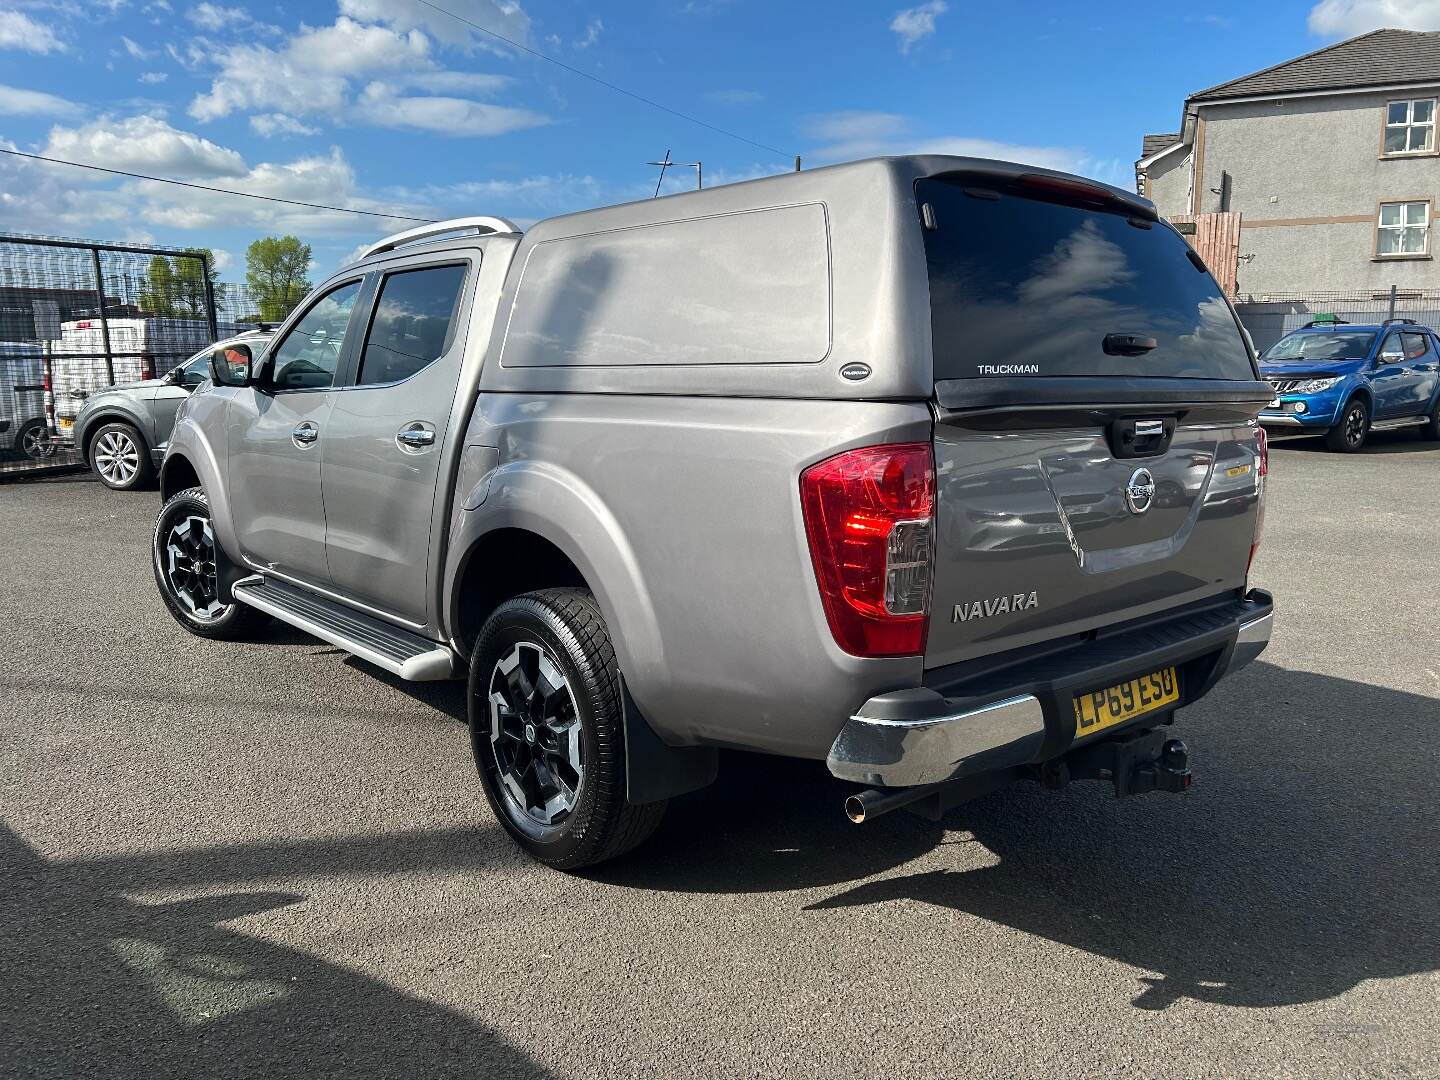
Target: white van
(22, 400)
(142, 348)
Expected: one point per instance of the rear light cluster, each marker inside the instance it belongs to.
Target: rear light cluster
(870, 520)
(1262, 467)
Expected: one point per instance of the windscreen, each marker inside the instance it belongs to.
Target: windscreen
(1028, 286)
(1321, 346)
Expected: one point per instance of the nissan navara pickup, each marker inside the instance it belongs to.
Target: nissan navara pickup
(943, 471)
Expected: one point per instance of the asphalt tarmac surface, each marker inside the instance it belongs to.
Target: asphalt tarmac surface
(270, 860)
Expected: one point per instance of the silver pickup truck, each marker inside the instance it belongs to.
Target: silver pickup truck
(943, 471)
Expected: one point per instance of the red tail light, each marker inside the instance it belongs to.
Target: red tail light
(1262, 467)
(869, 517)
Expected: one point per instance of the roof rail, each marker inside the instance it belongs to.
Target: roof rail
(440, 228)
(1325, 322)
(1407, 322)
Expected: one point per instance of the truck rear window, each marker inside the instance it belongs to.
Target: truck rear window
(1027, 286)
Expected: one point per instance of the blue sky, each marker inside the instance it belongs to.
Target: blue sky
(390, 105)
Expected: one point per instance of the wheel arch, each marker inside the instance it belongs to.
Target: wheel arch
(110, 414)
(531, 562)
(177, 475)
(190, 462)
(576, 534)
(1361, 390)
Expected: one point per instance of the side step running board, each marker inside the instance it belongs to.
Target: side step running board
(411, 657)
(1399, 422)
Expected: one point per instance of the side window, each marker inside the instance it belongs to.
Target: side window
(310, 353)
(196, 371)
(1415, 345)
(414, 316)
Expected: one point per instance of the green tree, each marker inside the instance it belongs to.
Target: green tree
(175, 286)
(275, 269)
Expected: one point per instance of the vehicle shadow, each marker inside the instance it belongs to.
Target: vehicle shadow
(446, 697)
(1302, 863)
(97, 984)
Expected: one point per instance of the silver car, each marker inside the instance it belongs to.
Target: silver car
(122, 431)
(944, 472)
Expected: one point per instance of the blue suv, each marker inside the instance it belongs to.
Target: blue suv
(1344, 381)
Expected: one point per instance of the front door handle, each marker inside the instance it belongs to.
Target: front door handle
(415, 437)
(305, 434)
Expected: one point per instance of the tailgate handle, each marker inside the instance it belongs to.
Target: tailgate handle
(1140, 438)
(1128, 344)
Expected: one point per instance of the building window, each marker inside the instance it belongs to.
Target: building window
(1404, 229)
(1410, 127)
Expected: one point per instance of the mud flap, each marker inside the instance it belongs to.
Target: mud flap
(655, 771)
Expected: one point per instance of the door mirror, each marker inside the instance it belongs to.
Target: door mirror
(175, 376)
(232, 366)
(1389, 357)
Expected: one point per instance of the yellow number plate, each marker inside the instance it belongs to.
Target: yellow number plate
(1106, 708)
(64, 424)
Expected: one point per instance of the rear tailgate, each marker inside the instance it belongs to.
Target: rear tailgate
(1095, 455)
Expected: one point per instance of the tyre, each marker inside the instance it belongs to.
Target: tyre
(1350, 432)
(119, 457)
(547, 730)
(33, 440)
(186, 560)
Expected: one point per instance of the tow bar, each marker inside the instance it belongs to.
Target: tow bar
(1135, 762)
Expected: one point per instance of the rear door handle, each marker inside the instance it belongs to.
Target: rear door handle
(415, 437)
(306, 433)
(1128, 344)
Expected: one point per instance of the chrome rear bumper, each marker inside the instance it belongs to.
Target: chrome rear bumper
(921, 736)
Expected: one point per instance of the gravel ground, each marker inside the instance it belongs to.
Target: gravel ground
(270, 860)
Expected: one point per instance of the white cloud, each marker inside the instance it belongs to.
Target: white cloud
(915, 24)
(380, 104)
(1345, 18)
(352, 47)
(213, 17)
(847, 136)
(136, 50)
(41, 198)
(735, 97)
(505, 17)
(17, 102)
(847, 127)
(310, 74)
(271, 124)
(153, 78)
(144, 144)
(546, 195)
(455, 82)
(592, 34)
(19, 31)
(315, 72)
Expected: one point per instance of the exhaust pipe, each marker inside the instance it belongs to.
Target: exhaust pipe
(872, 803)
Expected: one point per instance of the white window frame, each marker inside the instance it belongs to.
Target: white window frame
(1405, 222)
(1408, 126)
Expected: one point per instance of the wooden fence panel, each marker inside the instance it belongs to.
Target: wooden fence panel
(1216, 239)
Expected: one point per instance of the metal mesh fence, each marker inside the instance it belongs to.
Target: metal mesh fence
(1272, 316)
(77, 316)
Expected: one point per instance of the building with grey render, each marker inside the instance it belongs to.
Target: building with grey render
(1318, 174)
